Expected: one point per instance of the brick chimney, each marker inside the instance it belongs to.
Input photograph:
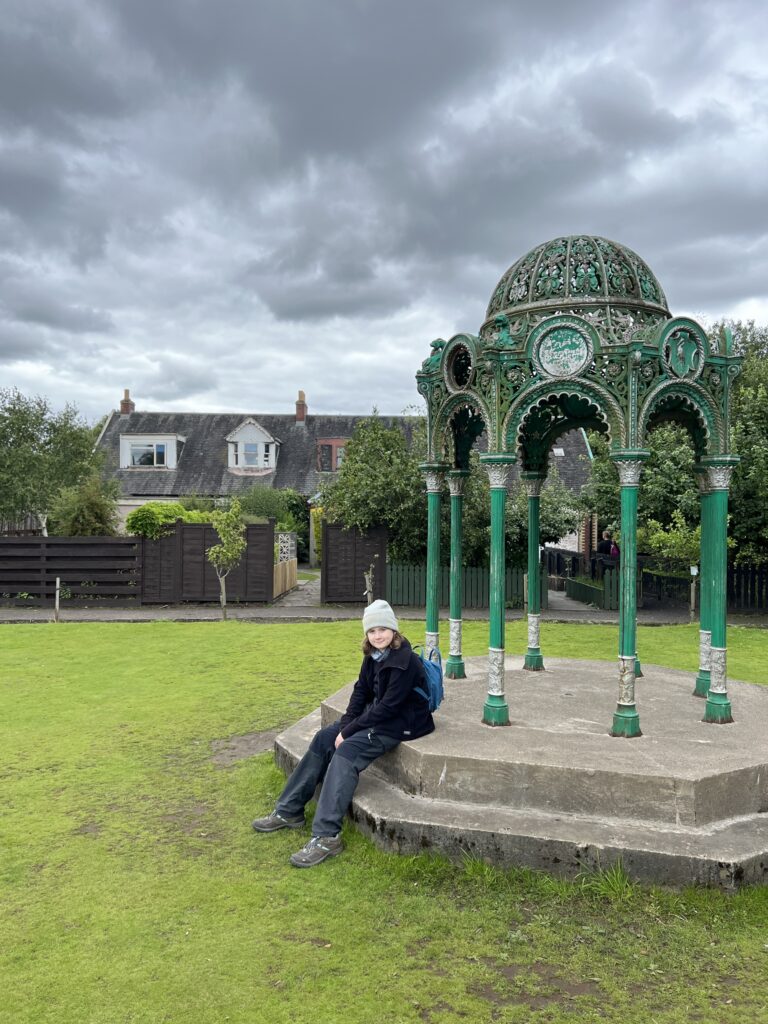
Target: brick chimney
(301, 408)
(126, 405)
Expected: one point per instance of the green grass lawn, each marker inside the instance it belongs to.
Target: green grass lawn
(133, 889)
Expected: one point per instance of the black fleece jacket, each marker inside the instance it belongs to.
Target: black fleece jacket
(384, 698)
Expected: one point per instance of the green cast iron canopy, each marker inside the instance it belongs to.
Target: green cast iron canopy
(577, 273)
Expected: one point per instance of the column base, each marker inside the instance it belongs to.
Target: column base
(495, 710)
(454, 667)
(701, 689)
(626, 722)
(718, 709)
(534, 660)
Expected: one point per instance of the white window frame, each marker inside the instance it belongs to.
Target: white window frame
(131, 443)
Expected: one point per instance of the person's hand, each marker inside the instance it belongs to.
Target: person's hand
(339, 741)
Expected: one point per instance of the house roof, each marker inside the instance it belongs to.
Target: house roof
(202, 467)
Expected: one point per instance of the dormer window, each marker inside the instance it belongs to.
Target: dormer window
(330, 454)
(251, 448)
(150, 451)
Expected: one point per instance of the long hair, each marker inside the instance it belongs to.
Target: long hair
(397, 643)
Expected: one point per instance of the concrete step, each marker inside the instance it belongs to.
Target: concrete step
(685, 802)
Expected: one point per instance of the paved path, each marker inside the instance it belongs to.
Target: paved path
(303, 605)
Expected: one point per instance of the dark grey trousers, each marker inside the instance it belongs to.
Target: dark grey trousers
(338, 769)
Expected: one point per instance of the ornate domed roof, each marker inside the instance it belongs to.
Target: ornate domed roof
(577, 273)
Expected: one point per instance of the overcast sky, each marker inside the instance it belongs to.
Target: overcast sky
(215, 203)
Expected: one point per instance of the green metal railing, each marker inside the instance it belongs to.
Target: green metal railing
(601, 593)
(407, 585)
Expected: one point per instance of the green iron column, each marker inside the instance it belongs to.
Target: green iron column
(433, 475)
(454, 666)
(626, 721)
(701, 689)
(496, 709)
(534, 661)
(718, 707)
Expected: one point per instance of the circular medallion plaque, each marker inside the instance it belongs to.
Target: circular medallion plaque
(563, 351)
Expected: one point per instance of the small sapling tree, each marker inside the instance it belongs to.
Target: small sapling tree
(225, 555)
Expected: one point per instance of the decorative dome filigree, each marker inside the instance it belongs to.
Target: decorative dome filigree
(577, 274)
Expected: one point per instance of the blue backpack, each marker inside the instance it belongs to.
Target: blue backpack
(433, 677)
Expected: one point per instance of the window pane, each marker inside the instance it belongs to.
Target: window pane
(159, 454)
(325, 453)
(266, 454)
(142, 455)
(250, 456)
(339, 456)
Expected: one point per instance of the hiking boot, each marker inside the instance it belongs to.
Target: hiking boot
(318, 849)
(275, 821)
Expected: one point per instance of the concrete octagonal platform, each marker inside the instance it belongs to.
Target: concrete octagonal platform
(683, 803)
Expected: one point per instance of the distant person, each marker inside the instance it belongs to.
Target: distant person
(604, 546)
(614, 552)
(383, 710)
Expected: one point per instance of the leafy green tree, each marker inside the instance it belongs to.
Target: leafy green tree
(226, 555)
(379, 484)
(88, 509)
(560, 513)
(41, 451)
(749, 440)
(676, 544)
(667, 483)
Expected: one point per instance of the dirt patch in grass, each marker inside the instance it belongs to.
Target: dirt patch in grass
(237, 748)
(89, 828)
(190, 821)
(555, 990)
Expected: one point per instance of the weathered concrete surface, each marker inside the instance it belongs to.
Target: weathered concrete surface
(686, 802)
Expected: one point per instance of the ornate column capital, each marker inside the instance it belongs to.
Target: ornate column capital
(629, 463)
(434, 476)
(456, 478)
(718, 471)
(496, 465)
(533, 483)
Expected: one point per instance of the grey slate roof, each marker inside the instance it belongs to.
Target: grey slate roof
(202, 466)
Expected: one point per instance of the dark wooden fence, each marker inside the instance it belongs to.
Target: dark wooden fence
(88, 567)
(133, 570)
(407, 585)
(176, 568)
(347, 555)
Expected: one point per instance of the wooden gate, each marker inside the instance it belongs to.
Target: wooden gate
(347, 555)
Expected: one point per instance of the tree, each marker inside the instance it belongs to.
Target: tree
(40, 453)
(749, 440)
(667, 483)
(88, 509)
(559, 514)
(379, 484)
(225, 555)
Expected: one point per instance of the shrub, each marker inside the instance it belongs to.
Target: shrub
(156, 518)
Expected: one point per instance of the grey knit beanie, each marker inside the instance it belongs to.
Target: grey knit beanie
(379, 614)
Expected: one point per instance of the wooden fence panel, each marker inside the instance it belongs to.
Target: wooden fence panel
(347, 555)
(106, 568)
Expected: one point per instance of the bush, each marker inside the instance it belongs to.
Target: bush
(89, 509)
(156, 518)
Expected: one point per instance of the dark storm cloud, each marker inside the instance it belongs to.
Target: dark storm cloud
(203, 200)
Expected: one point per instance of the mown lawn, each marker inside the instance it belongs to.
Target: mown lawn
(133, 889)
